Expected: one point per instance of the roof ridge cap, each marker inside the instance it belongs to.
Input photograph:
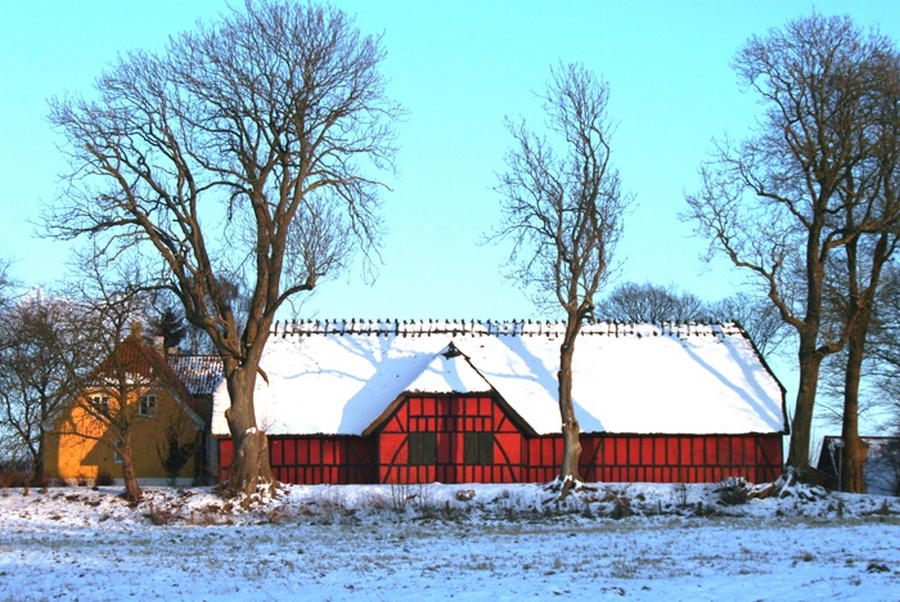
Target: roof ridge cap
(422, 327)
(415, 327)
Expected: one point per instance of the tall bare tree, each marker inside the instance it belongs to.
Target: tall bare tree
(885, 341)
(43, 352)
(875, 223)
(11, 453)
(237, 156)
(772, 202)
(562, 208)
(106, 407)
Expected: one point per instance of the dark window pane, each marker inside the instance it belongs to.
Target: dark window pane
(478, 449)
(422, 449)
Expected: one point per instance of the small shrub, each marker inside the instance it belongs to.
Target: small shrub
(104, 479)
(404, 493)
(279, 515)
(12, 477)
(701, 510)
(681, 492)
(330, 503)
(733, 491)
(423, 500)
(619, 498)
(378, 501)
(176, 453)
(399, 497)
(805, 557)
(622, 509)
(160, 516)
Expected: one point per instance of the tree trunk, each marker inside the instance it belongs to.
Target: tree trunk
(810, 360)
(39, 462)
(570, 474)
(853, 458)
(133, 491)
(38, 465)
(250, 468)
(856, 451)
(809, 354)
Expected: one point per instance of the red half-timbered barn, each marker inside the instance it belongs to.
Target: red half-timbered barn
(467, 402)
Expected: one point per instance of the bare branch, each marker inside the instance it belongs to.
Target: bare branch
(239, 158)
(801, 190)
(562, 209)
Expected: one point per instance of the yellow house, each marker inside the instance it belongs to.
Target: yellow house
(135, 394)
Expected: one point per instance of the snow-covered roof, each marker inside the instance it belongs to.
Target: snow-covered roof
(201, 374)
(339, 377)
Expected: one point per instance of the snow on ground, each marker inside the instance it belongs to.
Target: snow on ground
(632, 542)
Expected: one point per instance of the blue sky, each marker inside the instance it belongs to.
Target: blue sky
(458, 67)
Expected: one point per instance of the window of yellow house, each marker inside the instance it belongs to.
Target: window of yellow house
(100, 402)
(148, 405)
(117, 457)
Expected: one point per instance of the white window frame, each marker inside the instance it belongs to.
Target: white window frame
(149, 407)
(100, 402)
(117, 457)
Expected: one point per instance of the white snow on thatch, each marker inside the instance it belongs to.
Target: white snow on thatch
(339, 377)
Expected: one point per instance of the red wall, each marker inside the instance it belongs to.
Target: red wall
(451, 417)
(661, 458)
(384, 456)
(314, 460)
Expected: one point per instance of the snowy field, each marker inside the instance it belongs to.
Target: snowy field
(479, 542)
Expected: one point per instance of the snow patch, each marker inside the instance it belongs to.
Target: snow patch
(472, 541)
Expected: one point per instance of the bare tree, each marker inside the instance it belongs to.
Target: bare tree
(265, 123)
(6, 285)
(655, 304)
(882, 366)
(756, 315)
(10, 448)
(42, 355)
(105, 406)
(885, 342)
(562, 208)
(771, 203)
(651, 303)
(877, 224)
